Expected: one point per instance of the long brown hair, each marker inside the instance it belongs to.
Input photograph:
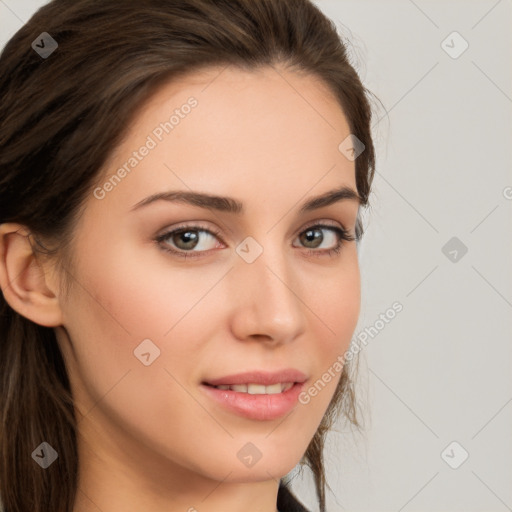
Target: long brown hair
(61, 117)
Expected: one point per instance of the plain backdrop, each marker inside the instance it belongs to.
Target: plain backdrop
(434, 382)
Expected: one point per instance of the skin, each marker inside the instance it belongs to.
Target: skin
(149, 439)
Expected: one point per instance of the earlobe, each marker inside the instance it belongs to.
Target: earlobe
(22, 278)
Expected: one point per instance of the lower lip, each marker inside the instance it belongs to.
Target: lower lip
(256, 407)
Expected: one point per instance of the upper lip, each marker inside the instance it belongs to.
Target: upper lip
(259, 377)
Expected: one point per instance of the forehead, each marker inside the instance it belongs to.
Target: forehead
(227, 126)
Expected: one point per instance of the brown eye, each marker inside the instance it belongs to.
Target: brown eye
(185, 239)
(189, 240)
(312, 237)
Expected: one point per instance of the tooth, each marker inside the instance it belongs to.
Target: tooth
(256, 389)
(273, 389)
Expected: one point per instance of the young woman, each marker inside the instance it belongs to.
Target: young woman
(180, 189)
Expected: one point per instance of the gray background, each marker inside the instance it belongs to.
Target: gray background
(440, 371)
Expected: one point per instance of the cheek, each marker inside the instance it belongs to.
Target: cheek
(122, 298)
(118, 303)
(142, 294)
(336, 304)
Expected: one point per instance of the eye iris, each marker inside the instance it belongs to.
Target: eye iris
(313, 235)
(190, 239)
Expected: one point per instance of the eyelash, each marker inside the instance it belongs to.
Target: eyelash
(343, 235)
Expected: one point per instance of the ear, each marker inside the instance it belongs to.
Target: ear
(23, 280)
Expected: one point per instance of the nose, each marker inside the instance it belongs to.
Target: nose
(266, 298)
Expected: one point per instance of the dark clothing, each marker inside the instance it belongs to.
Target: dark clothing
(287, 502)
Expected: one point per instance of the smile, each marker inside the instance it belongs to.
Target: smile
(257, 389)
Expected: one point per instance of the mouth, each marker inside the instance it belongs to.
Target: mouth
(255, 389)
(258, 394)
(253, 400)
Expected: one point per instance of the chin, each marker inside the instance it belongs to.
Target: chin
(233, 470)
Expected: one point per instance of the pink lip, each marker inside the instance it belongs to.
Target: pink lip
(259, 377)
(256, 407)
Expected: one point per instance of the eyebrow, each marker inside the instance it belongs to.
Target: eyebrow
(233, 206)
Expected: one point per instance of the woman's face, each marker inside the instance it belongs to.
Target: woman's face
(248, 285)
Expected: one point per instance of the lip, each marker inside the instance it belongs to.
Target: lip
(259, 377)
(257, 407)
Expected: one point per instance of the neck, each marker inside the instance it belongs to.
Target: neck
(121, 483)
